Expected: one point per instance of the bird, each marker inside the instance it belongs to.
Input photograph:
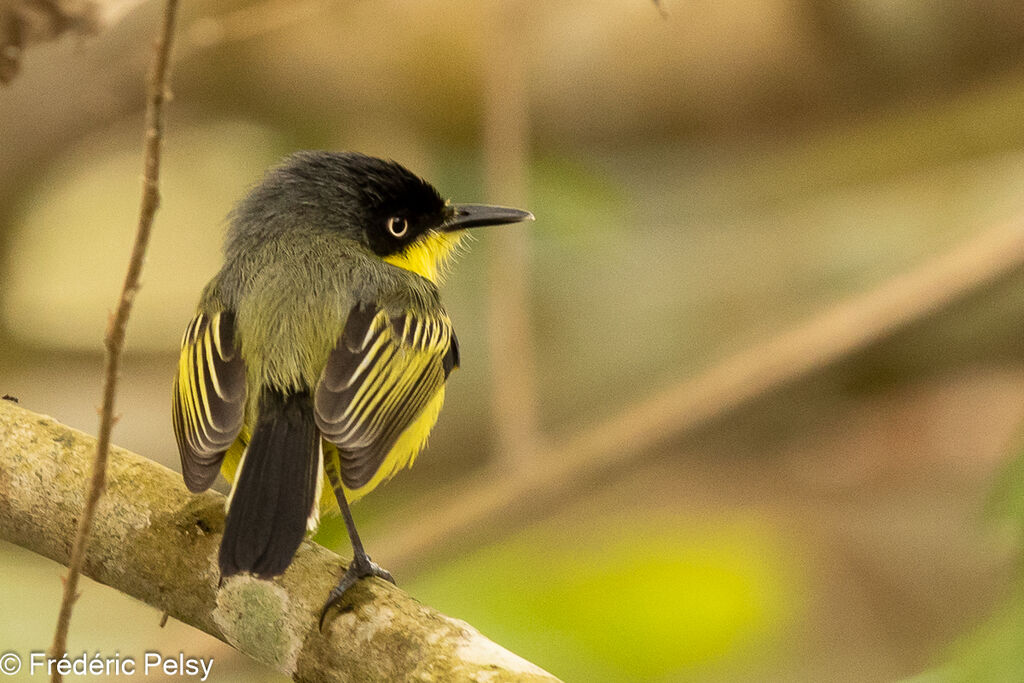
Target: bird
(318, 354)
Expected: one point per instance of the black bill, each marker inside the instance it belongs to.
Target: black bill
(477, 215)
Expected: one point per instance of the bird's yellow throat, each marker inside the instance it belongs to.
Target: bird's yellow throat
(431, 255)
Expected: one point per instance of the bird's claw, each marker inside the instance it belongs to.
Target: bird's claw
(359, 568)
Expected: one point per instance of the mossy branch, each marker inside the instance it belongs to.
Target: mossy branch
(154, 540)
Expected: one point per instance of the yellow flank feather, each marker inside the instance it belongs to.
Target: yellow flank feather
(402, 454)
(430, 255)
(229, 465)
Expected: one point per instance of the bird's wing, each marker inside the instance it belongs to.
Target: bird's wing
(209, 396)
(379, 377)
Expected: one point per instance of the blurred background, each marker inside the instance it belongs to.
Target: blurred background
(706, 176)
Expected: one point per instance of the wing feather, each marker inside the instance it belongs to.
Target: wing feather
(380, 376)
(209, 397)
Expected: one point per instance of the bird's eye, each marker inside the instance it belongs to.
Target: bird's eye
(398, 226)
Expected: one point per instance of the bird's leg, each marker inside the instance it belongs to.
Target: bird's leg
(361, 565)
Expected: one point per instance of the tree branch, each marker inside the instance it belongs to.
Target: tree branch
(25, 23)
(114, 341)
(494, 501)
(157, 542)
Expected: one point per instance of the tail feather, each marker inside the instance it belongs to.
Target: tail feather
(275, 488)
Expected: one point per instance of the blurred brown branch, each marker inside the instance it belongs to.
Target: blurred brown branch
(501, 501)
(506, 148)
(252, 21)
(157, 542)
(24, 23)
(114, 341)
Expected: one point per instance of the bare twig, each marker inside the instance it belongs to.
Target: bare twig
(503, 500)
(114, 341)
(154, 540)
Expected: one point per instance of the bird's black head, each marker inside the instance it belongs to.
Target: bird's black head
(378, 203)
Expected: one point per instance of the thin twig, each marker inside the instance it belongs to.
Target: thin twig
(114, 340)
(497, 501)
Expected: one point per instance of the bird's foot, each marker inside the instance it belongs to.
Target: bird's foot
(360, 568)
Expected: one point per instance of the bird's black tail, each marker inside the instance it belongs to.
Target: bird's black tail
(275, 488)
